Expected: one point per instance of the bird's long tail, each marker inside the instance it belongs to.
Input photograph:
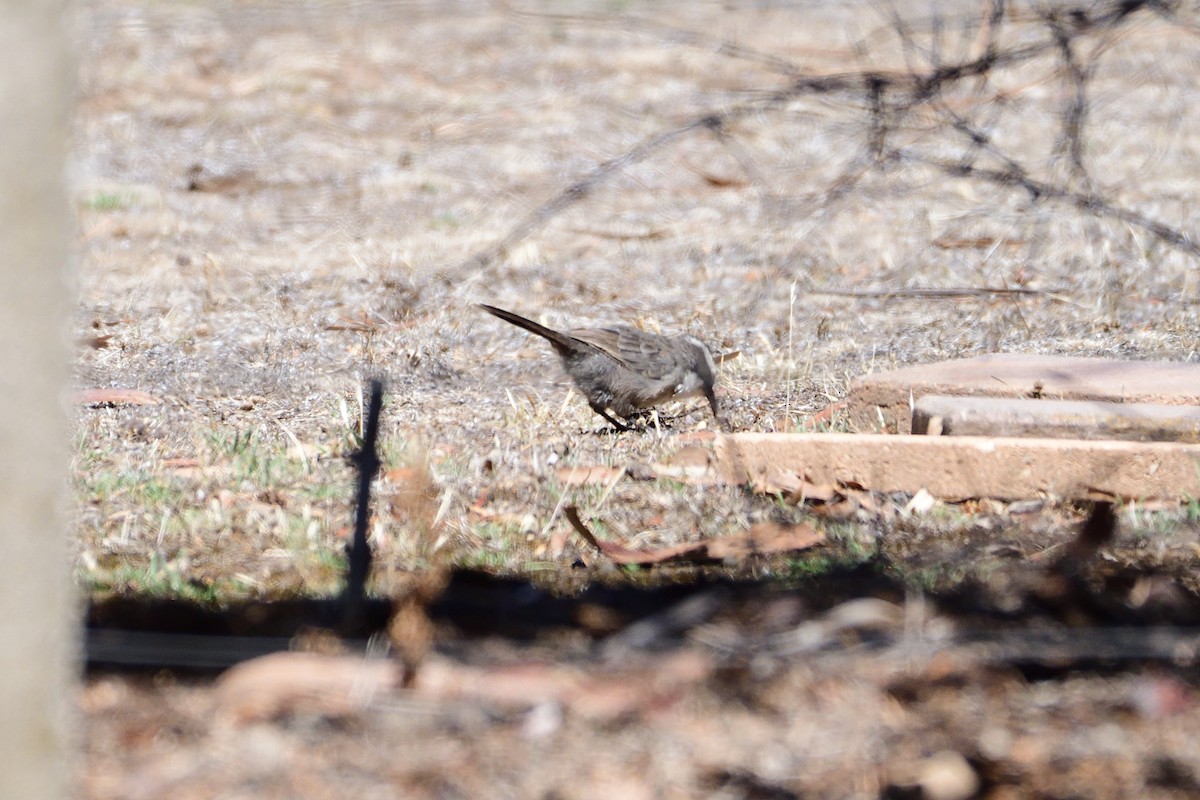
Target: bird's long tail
(560, 341)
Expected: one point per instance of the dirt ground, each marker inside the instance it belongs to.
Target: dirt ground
(277, 201)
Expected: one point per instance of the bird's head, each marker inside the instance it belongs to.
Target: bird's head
(705, 369)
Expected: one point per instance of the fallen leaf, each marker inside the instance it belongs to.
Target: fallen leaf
(624, 555)
(558, 542)
(955, 243)
(728, 355)
(282, 684)
(587, 476)
(648, 235)
(827, 413)
(513, 518)
(696, 476)
(509, 686)
(362, 323)
(607, 695)
(715, 180)
(129, 397)
(780, 481)
(400, 475)
(175, 463)
(691, 464)
(762, 538)
(815, 492)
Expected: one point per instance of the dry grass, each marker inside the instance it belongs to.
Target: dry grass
(276, 201)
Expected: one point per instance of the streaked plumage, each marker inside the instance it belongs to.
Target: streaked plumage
(625, 370)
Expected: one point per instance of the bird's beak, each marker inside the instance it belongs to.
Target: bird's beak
(712, 400)
(712, 403)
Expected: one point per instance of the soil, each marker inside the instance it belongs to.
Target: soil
(278, 201)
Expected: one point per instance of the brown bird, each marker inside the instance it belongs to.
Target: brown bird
(625, 370)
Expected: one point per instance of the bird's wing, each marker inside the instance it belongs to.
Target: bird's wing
(610, 341)
(650, 355)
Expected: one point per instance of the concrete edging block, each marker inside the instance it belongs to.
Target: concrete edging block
(965, 466)
(881, 402)
(1055, 419)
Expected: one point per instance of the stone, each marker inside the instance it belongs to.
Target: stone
(882, 402)
(1061, 419)
(947, 776)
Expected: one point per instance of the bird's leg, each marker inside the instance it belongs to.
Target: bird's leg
(621, 426)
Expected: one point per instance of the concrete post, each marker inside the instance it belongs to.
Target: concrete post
(37, 625)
